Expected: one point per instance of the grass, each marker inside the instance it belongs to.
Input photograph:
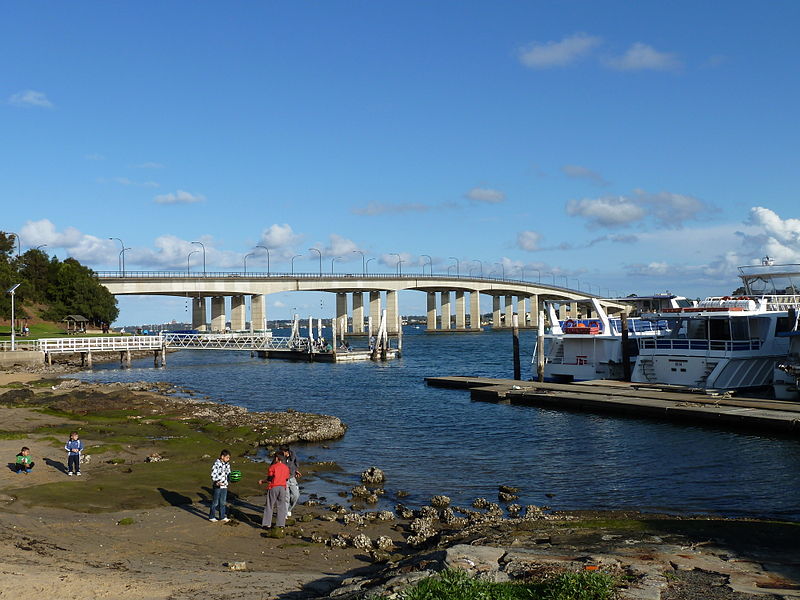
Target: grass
(458, 585)
(12, 435)
(126, 521)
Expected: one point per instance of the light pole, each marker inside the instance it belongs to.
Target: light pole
(539, 275)
(430, 264)
(333, 260)
(458, 266)
(502, 269)
(480, 264)
(11, 291)
(318, 251)
(579, 283)
(399, 262)
(188, 256)
(40, 246)
(566, 281)
(204, 256)
(122, 258)
(245, 261)
(267, 249)
(363, 263)
(366, 265)
(295, 256)
(120, 263)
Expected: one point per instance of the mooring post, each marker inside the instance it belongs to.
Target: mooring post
(89, 359)
(515, 338)
(163, 356)
(626, 355)
(128, 357)
(540, 347)
(121, 358)
(155, 358)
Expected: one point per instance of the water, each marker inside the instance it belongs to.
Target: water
(434, 441)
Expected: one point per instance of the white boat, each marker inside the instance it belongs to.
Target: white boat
(725, 342)
(586, 349)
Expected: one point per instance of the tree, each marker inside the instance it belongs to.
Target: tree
(76, 290)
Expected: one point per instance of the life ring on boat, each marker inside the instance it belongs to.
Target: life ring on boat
(569, 323)
(595, 324)
(726, 297)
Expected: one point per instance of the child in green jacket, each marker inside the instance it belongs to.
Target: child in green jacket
(24, 462)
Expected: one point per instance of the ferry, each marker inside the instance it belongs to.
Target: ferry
(586, 349)
(725, 342)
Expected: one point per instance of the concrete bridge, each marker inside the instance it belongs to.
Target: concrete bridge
(447, 297)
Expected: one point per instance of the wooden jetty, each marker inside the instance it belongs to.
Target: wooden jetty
(637, 400)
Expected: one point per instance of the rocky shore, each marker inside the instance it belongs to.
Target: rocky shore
(134, 526)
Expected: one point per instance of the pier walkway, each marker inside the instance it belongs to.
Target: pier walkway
(635, 400)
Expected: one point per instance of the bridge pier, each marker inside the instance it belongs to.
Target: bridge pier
(475, 310)
(258, 312)
(341, 310)
(218, 314)
(199, 314)
(358, 312)
(461, 310)
(392, 313)
(431, 324)
(509, 312)
(496, 312)
(374, 311)
(446, 316)
(238, 313)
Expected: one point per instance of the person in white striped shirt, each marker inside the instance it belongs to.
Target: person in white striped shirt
(220, 471)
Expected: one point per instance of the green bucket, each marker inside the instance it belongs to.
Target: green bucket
(235, 475)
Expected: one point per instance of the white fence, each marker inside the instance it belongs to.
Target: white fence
(100, 344)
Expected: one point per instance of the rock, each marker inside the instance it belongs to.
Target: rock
(514, 510)
(533, 512)
(440, 501)
(85, 458)
(379, 556)
(403, 511)
(477, 560)
(371, 499)
(362, 542)
(506, 497)
(428, 512)
(480, 503)
(401, 493)
(354, 519)
(154, 457)
(385, 515)
(373, 475)
(339, 541)
(360, 491)
(384, 543)
(238, 565)
(507, 489)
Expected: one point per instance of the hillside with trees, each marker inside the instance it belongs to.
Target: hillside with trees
(51, 289)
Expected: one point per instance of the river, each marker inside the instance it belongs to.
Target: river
(435, 441)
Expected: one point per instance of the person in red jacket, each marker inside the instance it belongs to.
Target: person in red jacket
(277, 475)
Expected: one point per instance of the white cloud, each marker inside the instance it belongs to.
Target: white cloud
(609, 211)
(278, 304)
(378, 208)
(547, 55)
(338, 246)
(529, 240)
(279, 236)
(665, 208)
(641, 57)
(487, 195)
(578, 172)
(85, 248)
(179, 197)
(30, 98)
(778, 238)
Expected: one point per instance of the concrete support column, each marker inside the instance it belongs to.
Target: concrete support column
(199, 314)
(445, 310)
(461, 310)
(509, 310)
(218, 314)
(522, 307)
(496, 312)
(238, 313)
(375, 311)
(258, 312)
(431, 311)
(341, 309)
(474, 309)
(358, 312)
(562, 312)
(573, 310)
(535, 308)
(392, 312)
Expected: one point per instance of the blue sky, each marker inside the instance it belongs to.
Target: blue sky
(621, 147)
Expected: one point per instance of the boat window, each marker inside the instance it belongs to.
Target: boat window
(783, 325)
(697, 329)
(719, 329)
(739, 329)
(684, 303)
(758, 327)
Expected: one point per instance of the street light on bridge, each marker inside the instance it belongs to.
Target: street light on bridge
(188, 256)
(502, 269)
(204, 256)
(399, 267)
(120, 261)
(333, 260)
(318, 251)
(363, 263)
(267, 249)
(245, 261)
(295, 256)
(430, 264)
(480, 263)
(366, 265)
(458, 266)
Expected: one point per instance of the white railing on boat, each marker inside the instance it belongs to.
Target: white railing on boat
(686, 344)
